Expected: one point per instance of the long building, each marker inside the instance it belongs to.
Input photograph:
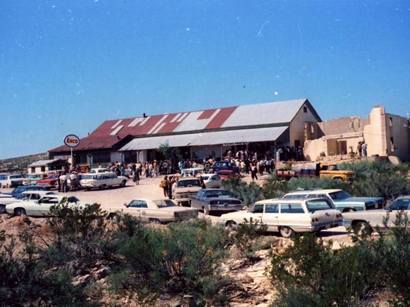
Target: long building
(197, 134)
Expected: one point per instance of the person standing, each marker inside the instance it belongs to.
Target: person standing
(170, 183)
(136, 175)
(254, 172)
(164, 185)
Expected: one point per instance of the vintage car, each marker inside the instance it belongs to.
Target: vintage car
(216, 200)
(31, 179)
(102, 180)
(342, 200)
(211, 180)
(38, 207)
(6, 199)
(50, 181)
(369, 220)
(313, 169)
(185, 189)
(225, 169)
(158, 211)
(192, 172)
(10, 181)
(288, 216)
(18, 192)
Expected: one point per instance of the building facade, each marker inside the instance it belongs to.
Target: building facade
(197, 134)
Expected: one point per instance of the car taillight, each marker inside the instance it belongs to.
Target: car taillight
(315, 219)
(339, 215)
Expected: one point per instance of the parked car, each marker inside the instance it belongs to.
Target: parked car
(6, 199)
(375, 218)
(11, 181)
(225, 169)
(211, 180)
(49, 182)
(18, 192)
(31, 179)
(216, 200)
(289, 216)
(38, 207)
(185, 189)
(342, 200)
(159, 211)
(191, 172)
(102, 180)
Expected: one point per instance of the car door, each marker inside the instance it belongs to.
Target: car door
(271, 216)
(293, 215)
(44, 205)
(257, 213)
(136, 208)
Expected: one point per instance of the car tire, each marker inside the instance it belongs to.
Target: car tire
(2, 208)
(19, 212)
(362, 228)
(286, 232)
(123, 183)
(155, 221)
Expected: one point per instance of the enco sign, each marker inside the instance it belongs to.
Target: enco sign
(72, 140)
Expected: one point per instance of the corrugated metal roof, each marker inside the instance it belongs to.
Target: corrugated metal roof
(207, 138)
(43, 162)
(109, 133)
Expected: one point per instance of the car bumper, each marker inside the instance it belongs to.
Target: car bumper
(321, 226)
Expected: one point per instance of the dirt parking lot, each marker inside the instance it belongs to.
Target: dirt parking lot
(149, 188)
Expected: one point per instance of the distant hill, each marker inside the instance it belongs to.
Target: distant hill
(19, 164)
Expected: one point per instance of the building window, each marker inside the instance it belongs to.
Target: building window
(304, 109)
(43, 169)
(390, 121)
(33, 170)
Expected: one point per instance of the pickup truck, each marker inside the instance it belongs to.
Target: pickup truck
(158, 211)
(369, 220)
(342, 200)
(185, 189)
(322, 170)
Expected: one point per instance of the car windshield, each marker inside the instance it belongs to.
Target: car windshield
(189, 183)
(164, 203)
(16, 177)
(217, 193)
(340, 195)
(315, 205)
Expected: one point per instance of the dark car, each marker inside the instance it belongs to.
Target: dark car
(216, 201)
(18, 192)
(225, 168)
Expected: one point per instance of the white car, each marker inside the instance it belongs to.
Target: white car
(211, 181)
(102, 180)
(288, 216)
(160, 211)
(6, 199)
(8, 181)
(38, 207)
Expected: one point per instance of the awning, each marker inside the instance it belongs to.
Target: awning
(207, 138)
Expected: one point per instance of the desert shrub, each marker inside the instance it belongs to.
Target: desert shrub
(274, 187)
(379, 178)
(248, 193)
(306, 183)
(183, 258)
(246, 235)
(27, 281)
(311, 273)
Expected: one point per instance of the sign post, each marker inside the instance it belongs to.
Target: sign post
(72, 141)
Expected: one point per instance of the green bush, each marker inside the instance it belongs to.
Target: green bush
(181, 259)
(379, 178)
(248, 193)
(311, 273)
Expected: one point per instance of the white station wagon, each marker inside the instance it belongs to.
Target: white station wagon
(289, 216)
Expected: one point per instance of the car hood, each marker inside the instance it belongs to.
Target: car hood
(176, 209)
(239, 213)
(187, 189)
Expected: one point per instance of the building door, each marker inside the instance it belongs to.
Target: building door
(341, 147)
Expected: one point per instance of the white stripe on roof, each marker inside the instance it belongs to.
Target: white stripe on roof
(182, 117)
(144, 121)
(116, 124)
(158, 124)
(135, 121)
(114, 132)
(176, 117)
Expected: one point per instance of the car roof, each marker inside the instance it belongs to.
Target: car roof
(280, 200)
(314, 191)
(403, 197)
(42, 193)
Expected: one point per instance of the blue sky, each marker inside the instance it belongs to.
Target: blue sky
(66, 66)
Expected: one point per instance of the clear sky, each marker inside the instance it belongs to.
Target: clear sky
(68, 65)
